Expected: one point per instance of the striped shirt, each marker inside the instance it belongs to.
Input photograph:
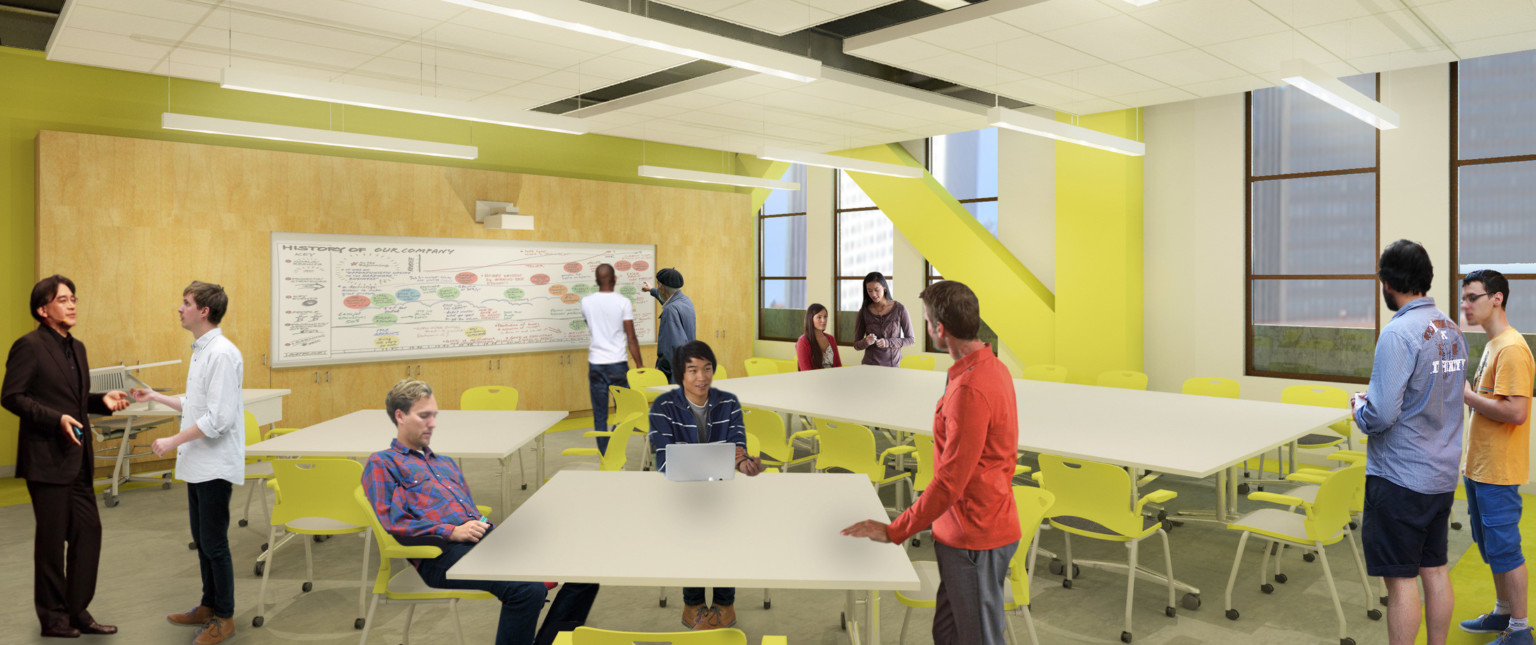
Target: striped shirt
(1413, 405)
(673, 421)
(417, 493)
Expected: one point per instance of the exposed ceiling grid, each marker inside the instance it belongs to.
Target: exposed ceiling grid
(777, 17)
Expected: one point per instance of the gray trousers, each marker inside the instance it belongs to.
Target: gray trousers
(970, 598)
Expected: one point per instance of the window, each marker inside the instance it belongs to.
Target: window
(781, 262)
(1493, 181)
(1312, 236)
(965, 164)
(865, 243)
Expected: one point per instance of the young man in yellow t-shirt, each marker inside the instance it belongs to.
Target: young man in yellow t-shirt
(1498, 449)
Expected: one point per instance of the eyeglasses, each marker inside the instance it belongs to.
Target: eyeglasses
(1472, 297)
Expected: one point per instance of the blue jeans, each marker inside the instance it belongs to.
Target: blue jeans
(723, 595)
(520, 601)
(599, 377)
(208, 504)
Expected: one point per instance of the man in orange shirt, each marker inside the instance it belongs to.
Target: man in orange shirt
(1498, 449)
(969, 504)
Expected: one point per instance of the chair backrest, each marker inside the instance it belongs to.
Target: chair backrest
(591, 636)
(489, 397)
(1033, 503)
(1123, 379)
(1088, 489)
(317, 487)
(1323, 396)
(849, 446)
(1212, 386)
(762, 366)
(630, 415)
(767, 428)
(389, 547)
(632, 401)
(916, 362)
(924, 459)
(644, 377)
(787, 365)
(719, 373)
(252, 434)
(1044, 372)
(1335, 496)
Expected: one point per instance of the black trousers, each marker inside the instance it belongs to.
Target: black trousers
(208, 504)
(64, 580)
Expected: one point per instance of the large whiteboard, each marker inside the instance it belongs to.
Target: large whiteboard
(352, 298)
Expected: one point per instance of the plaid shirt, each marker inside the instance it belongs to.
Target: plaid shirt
(417, 492)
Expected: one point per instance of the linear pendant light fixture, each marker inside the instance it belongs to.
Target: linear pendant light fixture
(682, 174)
(274, 132)
(1310, 79)
(303, 88)
(595, 20)
(1002, 117)
(775, 153)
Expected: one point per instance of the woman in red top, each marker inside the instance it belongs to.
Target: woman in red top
(816, 348)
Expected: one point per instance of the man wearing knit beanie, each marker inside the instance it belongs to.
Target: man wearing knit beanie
(676, 326)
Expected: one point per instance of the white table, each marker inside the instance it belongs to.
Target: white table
(476, 434)
(749, 531)
(266, 405)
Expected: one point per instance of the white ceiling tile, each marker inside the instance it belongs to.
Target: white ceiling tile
(1055, 14)
(1106, 80)
(1153, 97)
(1383, 33)
(775, 16)
(1227, 86)
(1262, 56)
(186, 12)
(971, 34)
(1203, 22)
(498, 67)
(1496, 45)
(1091, 106)
(68, 53)
(116, 22)
(1038, 56)
(294, 31)
(1042, 92)
(433, 11)
(901, 52)
(1116, 38)
(1403, 60)
(1461, 20)
(703, 6)
(1306, 13)
(90, 40)
(1184, 66)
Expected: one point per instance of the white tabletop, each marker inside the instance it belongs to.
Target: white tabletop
(1194, 436)
(152, 409)
(637, 528)
(460, 433)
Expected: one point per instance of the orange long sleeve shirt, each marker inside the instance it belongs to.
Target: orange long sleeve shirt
(969, 504)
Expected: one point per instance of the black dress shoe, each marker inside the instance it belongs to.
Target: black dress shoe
(94, 627)
(61, 631)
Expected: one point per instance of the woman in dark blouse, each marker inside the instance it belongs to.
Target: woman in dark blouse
(882, 327)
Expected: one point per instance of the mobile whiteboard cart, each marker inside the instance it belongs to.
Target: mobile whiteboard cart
(124, 425)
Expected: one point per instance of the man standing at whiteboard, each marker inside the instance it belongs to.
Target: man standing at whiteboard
(676, 327)
(611, 319)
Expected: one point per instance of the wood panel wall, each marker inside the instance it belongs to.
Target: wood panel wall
(133, 221)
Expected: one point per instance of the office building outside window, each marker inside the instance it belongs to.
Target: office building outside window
(965, 164)
(865, 243)
(781, 261)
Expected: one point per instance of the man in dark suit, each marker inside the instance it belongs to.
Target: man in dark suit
(47, 384)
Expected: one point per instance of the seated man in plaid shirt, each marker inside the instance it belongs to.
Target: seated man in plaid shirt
(420, 498)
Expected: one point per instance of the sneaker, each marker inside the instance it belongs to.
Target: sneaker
(215, 631)
(691, 614)
(709, 618)
(725, 615)
(1513, 637)
(198, 617)
(1486, 624)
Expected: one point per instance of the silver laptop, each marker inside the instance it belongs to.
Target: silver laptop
(701, 462)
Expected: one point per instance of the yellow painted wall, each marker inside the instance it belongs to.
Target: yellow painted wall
(1099, 253)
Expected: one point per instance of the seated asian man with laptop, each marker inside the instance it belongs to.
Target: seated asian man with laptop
(702, 428)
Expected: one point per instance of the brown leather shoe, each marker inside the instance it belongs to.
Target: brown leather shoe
(725, 615)
(96, 628)
(709, 618)
(215, 631)
(198, 617)
(61, 631)
(691, 615)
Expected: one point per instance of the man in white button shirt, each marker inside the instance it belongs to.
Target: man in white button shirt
(210, 453)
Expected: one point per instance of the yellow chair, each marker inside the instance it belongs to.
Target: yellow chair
(629, 418)
(787, 365)
(720, 373)
(494, 397)
(1123, 379)
(916, 362)
(1032, 503)
(407, 586)
(256, 470)
(314, 497)
(1043, 372)
(851, 447)
(1325, 396)
(1212, 386)
(644, 378)
(1325, 522)
(923, 475)
(591, 636)
(1099, 501)
(766, 428)
(762, 366)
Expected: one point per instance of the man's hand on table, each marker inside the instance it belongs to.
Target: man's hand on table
(470, 531)
(869, 529)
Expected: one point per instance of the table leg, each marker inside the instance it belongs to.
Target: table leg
(539, 471)
(1221, 495)
(506, 485)
(122, 457)
(851, 616)
(1232, 493)
(1294, 448)
(872, 629)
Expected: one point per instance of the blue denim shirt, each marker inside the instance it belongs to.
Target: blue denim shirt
(1413, 407)
(676, 326)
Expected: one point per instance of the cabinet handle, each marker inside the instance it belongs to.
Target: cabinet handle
(317, 377)
(498, 363)
(327, 376)
(263, 360)
(418, 370)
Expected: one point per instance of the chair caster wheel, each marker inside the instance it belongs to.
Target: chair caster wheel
(767, 604)
(1346, 641)
(260, 567)
(1309, 557)
(244, 523)
(1456, 525)
(1383, 601)
(110, 500)
(1354, 526)
(1066, 584)
(1374, 614)
(308, 586)
(1281, 578)
(1056, 567)
(1170, 612)
(1242, 489)
(1191, 601)
(1259, 488)
(263, 547)
(1231, 614)
(191, 546)
(525, 487)
(1267, 588)
(257, 621)
(1125, 637)
(842, 619)
(165, 486)
(358, 624)
(321, 538)
(663, 602)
